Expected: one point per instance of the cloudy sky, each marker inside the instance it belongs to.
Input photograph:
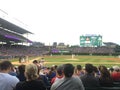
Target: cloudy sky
(65, 20)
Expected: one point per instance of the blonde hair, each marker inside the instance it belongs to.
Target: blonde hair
(31, 72)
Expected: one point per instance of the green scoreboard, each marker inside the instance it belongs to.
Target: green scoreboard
(90, 40)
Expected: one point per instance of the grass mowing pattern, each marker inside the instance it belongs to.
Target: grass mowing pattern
(82, 60)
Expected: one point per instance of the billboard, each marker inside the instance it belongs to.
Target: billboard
(90, 40)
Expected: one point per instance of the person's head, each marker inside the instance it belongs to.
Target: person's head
(68, 70)
(95, 69)
(79, 67)
(89, 68)
(59, 70)
(35, 62)
(104, 72)
(31, 72)
(111, 69)
(102, 67)
(116, 68)
(21, 68)
(5, 66)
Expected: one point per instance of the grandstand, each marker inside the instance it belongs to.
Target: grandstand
(12, 40)
(11, 35)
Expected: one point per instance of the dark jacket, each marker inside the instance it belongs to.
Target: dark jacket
(31, 85)
(89, 80)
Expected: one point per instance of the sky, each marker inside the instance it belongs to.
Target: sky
(66, 20)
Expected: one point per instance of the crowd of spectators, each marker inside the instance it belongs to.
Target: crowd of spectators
(21, 50)
(99, 50)
(62, 77)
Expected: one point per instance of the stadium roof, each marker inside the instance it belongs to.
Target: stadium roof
(10, 26)
(6, 36)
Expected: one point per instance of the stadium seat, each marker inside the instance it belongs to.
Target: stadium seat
(110, 88)
(102, 88)
(92, 88)
(116, 84)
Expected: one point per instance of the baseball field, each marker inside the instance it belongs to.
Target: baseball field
(78, 59)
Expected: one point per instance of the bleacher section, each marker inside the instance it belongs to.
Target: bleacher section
(93, 50)
(21, 50)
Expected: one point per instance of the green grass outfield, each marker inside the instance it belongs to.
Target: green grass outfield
(108, 61)
(82, 60)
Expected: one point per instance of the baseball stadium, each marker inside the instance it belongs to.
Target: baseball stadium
(19, 50)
